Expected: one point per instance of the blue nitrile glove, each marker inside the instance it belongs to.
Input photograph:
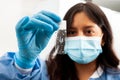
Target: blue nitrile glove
(33, 34)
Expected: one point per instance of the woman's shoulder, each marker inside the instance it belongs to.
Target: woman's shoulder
(8, 71)
(113, 70)
(113, 73)
(8, 57)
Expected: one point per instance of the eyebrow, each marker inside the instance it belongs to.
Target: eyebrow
(72, 28)
(89, 26)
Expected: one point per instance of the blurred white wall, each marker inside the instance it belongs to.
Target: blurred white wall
(64, 5)
(111, 4)
(10, 12)
(30, 7)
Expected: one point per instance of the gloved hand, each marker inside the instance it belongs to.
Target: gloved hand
(33, 34)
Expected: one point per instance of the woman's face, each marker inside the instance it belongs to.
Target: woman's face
(83, 26)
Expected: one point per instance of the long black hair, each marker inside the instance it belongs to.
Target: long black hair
(60, 66)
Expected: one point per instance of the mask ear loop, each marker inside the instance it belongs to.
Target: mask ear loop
(60, 39)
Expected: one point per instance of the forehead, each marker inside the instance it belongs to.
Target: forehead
(81, 19)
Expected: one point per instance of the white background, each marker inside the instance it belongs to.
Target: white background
(13, 10)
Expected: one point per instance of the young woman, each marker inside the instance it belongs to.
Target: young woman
(86, 53)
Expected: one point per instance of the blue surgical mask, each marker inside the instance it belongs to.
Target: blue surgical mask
(83, 50)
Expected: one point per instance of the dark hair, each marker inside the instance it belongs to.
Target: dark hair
(60, 66)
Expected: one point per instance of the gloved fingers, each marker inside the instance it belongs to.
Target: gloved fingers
(41, 25)
(31, 24)
(46, 19)
(55, 17)
(23, 22)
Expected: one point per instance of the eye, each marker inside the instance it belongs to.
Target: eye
(71, 33)
(89, 32)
